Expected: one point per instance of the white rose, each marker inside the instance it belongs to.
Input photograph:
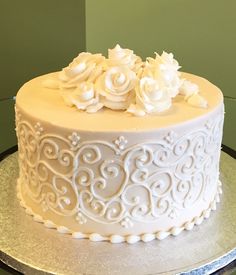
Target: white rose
(167, 59)
(164, 68)
(150, 98)
(119, 57)
(84, 97)
(116, 87)
(85, 67)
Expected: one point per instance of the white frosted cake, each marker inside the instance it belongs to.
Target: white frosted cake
(119, 149)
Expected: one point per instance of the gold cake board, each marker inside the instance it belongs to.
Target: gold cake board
(31, 248)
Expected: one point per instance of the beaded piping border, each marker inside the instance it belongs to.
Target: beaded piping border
(130, 239)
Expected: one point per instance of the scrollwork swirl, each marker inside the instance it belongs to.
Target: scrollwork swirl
(142, 182)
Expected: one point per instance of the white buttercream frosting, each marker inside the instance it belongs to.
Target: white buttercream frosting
(124, 82)
(119, 57)
(150, 97)
(191, 92)
(197, 100)
(84, 97)
(164, 68)
(85, 67)
(188, 88)
(116, 87)
(159, 83)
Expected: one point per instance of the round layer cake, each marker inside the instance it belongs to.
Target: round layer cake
(110, 175)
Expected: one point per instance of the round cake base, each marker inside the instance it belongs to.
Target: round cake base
(31, 248)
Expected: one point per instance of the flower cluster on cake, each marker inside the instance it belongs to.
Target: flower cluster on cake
(124, 82)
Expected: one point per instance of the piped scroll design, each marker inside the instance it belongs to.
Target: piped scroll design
(142, 182)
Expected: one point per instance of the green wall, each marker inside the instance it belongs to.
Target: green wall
(36, 37)
(43, 36)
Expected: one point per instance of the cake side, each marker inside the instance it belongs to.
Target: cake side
(132, 184)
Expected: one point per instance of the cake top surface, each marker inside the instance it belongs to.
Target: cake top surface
(47, 105)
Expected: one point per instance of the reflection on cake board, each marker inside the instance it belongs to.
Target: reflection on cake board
(32, 249)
